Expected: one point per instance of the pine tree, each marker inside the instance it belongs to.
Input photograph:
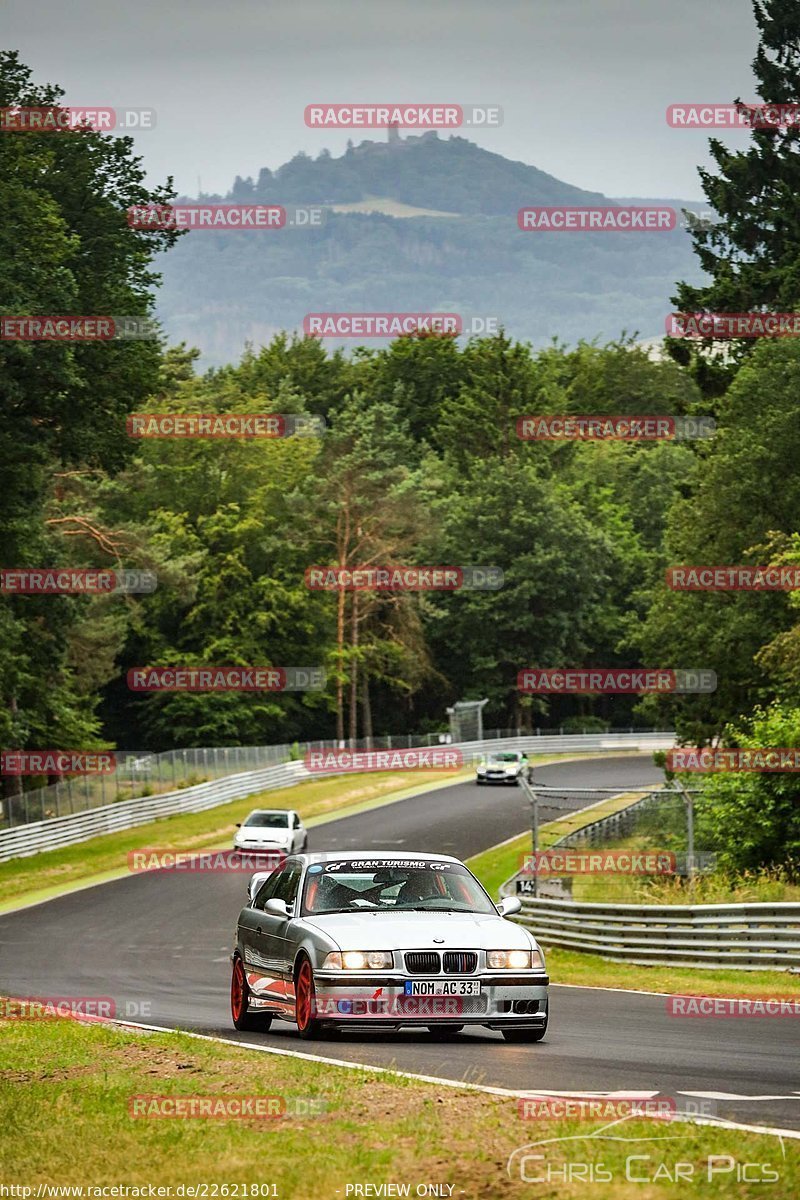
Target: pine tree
(753, 253)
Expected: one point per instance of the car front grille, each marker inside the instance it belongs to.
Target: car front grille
(460, 962)
(423, 962)
(429, 962)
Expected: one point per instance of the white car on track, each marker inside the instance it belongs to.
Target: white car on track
(502, 766)
(275, 831)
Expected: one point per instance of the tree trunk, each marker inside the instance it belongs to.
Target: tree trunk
(354, 669)
(366, 709)
(339, 662)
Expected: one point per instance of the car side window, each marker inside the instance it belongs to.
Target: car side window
(288, 884)
(269, 887)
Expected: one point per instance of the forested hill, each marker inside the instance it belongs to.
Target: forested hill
(426, 224)
(427, 171)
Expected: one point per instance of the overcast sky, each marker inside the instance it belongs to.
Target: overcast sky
(584, 84)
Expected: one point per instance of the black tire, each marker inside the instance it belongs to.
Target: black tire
(240, 999)
(305, 997)
(444, 1031)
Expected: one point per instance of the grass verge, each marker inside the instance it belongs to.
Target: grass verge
(66, 1088)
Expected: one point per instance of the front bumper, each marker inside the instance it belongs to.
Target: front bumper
(519, 1000)
(262, 848)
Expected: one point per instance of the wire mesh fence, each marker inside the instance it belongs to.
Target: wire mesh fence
(599, 843)
(142, 773)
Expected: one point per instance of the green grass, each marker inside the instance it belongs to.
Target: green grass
(65, 1090)
(767, 886)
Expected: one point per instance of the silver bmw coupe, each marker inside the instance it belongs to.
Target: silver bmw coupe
(384, 940)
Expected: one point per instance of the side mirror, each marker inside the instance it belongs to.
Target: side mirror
(276, 906)
(506, 908)
(238, 824)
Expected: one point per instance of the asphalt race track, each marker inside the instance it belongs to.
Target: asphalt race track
(158, 943)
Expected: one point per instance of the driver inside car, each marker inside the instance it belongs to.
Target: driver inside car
(421, 885)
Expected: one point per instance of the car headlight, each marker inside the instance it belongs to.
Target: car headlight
(514, 960)
(359, 960)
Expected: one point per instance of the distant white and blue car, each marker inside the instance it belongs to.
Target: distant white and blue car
(382, 940)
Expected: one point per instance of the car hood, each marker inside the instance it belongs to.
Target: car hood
(416, 931)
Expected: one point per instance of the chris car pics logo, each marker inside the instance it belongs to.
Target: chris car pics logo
(613, 1153)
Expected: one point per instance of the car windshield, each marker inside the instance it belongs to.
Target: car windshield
(393, 886)
(503, 758)
(268, 820)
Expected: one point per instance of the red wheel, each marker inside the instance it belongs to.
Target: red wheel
(240, 999)
(305, 1001)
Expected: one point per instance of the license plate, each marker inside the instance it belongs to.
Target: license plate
(443, 987)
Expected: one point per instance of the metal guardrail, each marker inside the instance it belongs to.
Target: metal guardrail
(34, 837)
(750, 937)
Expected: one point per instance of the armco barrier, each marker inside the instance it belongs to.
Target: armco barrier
(23, 840)
(749, 937)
